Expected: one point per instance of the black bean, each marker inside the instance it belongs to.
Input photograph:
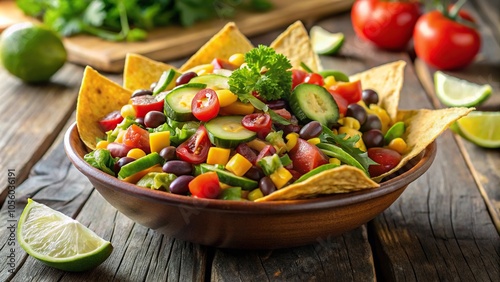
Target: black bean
(373, 138)
(254, 173)
(311, 130)
(153, 119)
(177, 167)
(168, 153)
(358, 112)
(372, 122)
(141, 92)
(180, 185)
(369, 96)
(266, 185)
(121, 162)
(185, 78)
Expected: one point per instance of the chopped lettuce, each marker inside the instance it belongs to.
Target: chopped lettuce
(270, 164)
(276, 139)
(126, 122)
(101, 159)
(179, 132)
(157, 180)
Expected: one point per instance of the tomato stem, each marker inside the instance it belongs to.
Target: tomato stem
(453, 13)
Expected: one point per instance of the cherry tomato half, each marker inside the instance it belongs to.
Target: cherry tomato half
(306, 156)
(137, 137)
(258, 122)
(298, 77)
(144, 104)
(205, 105)
(387, 159)
(314, 78)
(350, 91)
(110, 121)
(195, 149)
(205, 185)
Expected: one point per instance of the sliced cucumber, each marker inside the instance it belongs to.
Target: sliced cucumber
(213, 81)
(178, 101)
(166, 82)
(230, 178)
(313, 102)
(139, 165)
(228, 132)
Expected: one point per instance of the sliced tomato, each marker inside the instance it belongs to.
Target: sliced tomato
(219, 63)
(145, 104)
(314, 78)
(351, 91)
(341, 103)
(258, 122)
(195, 149)
(298, 77)
(110, 121)
(306, 156)
(387, 159)
(205, 185)
(205, 105)
(118, 149)
(137, 137)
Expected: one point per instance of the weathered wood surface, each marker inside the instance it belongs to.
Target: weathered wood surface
(441, 228)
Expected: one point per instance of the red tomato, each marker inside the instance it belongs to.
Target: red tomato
(268, 150)
(444, 43)
(350, 91)
(137, 137)
(205, 105)
(222, 64)
(314, 78)
(258, 122)
(195, 149)
(284, 113)
(387, 24)
(118, 149)
(298, 77)
(306, 156)
(387, 159)
(205, 185)
(144, 104)
(110, 121)
(341, 103)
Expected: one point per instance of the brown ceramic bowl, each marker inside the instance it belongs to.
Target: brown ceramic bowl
(247, 225)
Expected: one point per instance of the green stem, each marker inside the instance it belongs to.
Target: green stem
(455, 9)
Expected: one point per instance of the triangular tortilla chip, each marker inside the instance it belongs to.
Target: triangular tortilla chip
(295, 44)
(342, 179)
(98, 97)
(140, 72)
(228, 41)
(387, 81)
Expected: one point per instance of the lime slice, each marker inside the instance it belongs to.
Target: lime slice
(58, 240)
(325, 42)
(481, 128)
(455, 92)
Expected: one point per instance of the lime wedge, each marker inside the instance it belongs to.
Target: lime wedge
(325, 42)
(455, 92)
(481, 128)
(58, 240)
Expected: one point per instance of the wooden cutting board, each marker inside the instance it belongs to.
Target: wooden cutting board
(174, 42)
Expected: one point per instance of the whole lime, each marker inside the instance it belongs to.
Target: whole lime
(31, 52)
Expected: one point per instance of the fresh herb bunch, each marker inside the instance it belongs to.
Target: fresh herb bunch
(119, 20)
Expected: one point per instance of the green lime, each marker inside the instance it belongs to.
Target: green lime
(481, 128)
(455, 92)
(31, 52)
(325, 42)
(58, 240)
(396, 130)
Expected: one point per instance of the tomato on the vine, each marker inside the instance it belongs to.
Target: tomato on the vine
(195, 149)
(205, 105)
(258, 122)
(445, 43)
(387, 24)
(350, 91)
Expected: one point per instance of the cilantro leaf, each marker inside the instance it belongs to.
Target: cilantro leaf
(266, 72)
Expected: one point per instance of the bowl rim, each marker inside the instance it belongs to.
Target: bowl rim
(318, 203)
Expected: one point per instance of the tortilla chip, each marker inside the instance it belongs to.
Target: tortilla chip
(295, 44)
(228, 41)
(98, 97)
(423, 127)
(140, 72)
(342, 179)
(387, 81)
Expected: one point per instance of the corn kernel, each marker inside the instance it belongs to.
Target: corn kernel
(226, 97)
(136, 153)
(255, 194)
(159, 140)
(238, 165)
(237, 108)
(314, 141)
(334, 161)
(348, 131)
(280, 177)
(218, 156)
(351, 123)
(291, 140)
(237, 59)
(329, 81)
(127, 111)
(103, 144)
(398, 144)
(382, 115)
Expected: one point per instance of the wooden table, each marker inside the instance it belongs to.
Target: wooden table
(445, 226)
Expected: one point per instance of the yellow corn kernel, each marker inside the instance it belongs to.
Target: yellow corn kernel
(382, 115)
(103, 144)
(218, 155)
(334, 161)
(291, 140)
(255, 194)
(360, 145)
(238, 108)
(226, 97)
(237, 59)
(351, 123)
(280, 177)
(348, 131)
(238, 165)
(314, 141)
(329, 81)
(202, 69)
(398, 145)
(136, 153)
(159, 140)
(127, 111)
(119, 137)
